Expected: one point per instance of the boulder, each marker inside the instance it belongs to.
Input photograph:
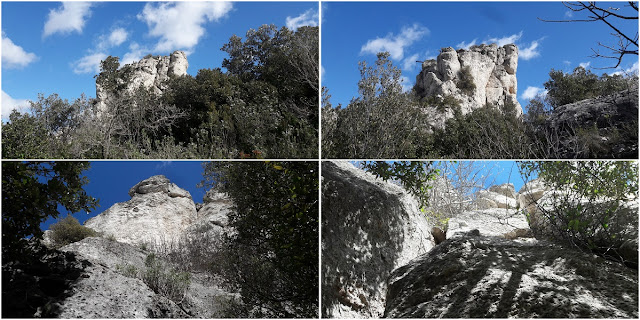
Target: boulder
(486, 199)
(506, 189)
(369, 228)
(158, 212)
(475, 276)
(610, 122)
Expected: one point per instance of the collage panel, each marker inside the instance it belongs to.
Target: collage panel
(152, 80)
(480, 80)
(479, 239)
(162, 239)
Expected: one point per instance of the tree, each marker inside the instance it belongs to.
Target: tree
(627, 42)
(586, 205)
(383, 121)
(34, 191)
(273, 254)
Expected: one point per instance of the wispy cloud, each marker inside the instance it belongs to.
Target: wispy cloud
(409, 63)
(179, 25)
(407, 85)
(395, 44)
(532, 92)
(89, 63)
(9, 103)
(568, 14)
(14, 56)
(465, 45)
(505, 40)
(308, 18)
(530, 52)
(70, 17)
(585, 64)
(633, 70)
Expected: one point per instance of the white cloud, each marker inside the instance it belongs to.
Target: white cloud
(118, 36)
(395, 44)
(567, 62)
(568, 14)
(308, 18)
(406, 84)
(179, 24)
(322, 71)
(464, 45)
(89, 63)
(135, 54)
(585, 64)
(409, 63)
(505, 40)
(633, 70)
(68, 18)
(530, 52)
(9, 103)
(13, 56)
(532, 92)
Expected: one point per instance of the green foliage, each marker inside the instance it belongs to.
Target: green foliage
(564, 88)
(383, 122)
(587, 208)
(414, 176)
(465, 81)
(69, 230)
(164, 281)
(485, 133)
(34, 191)
(441, 103)
(273, 256)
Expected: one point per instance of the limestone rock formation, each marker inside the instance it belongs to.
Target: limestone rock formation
(151, 73)
(610, 122)
(369, 228)
(489, 222)
(492, 71)
(475, 276)
(106, 291)
(158, 211)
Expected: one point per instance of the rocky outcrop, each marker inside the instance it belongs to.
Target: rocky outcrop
(152, 72)
(490, 222)
(475, 276)
(609, 125)
(158, 211)
(111, 286)
(369, 228)
(490, 68)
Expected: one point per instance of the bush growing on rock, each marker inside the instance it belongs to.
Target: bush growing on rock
(165, 281)
(588, 205)
(69, 230)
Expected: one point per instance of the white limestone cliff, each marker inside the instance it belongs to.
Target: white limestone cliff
(492, 69)
(151, 73)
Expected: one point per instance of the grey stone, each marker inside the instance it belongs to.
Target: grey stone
(475, 276)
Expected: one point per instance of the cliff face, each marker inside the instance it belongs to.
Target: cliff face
(150, 72)
(492, 71)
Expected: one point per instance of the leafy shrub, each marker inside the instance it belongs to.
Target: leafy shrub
(465, 81)
(69, 230)
(128, 270)
(168, 283)
(586, 206)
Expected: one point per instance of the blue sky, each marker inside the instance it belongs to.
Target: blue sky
(55, 47)
(410, 31)
(110, 181)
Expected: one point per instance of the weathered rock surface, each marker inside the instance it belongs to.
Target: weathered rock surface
(492, 69)
(490, 222)
(104, 291)
(151, 73)
(158, 211)
(475, 276)
(369, 228)
(604, 119)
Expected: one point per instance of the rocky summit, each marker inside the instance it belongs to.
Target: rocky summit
(150, 73)
(490, 68)
(159, 211)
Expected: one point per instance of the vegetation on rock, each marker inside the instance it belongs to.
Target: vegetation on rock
(69, 230)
